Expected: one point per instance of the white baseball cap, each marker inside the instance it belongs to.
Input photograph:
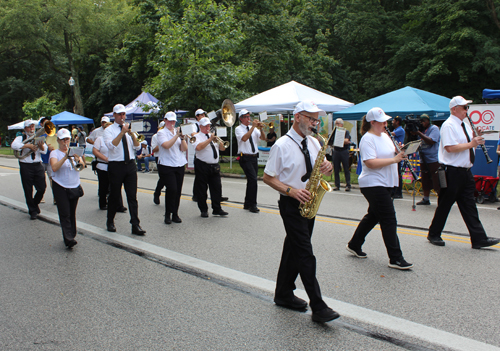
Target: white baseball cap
(199, 112)
(204, 121)
(459, 101)
(162, 124)
(119, 108)
(63, 133)
(170, 116)
(243, 112)
(28, 122)
(144, 142)
(104, 119)
(308, 106)
(377, 114)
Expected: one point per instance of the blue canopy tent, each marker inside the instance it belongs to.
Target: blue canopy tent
(66, 117)
(490, 94)
(401, 102)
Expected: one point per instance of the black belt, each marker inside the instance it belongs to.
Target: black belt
(250, 155)
(459, 168)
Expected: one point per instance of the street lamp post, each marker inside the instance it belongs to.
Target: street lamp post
(71, 83)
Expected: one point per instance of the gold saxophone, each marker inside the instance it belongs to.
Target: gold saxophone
(316, 185)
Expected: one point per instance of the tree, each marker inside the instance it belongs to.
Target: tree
(200, 62)
(41, 107)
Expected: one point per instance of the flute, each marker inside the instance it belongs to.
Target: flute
(485, 151)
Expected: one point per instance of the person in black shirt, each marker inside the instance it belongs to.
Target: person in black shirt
(271, 137)
(340, 155)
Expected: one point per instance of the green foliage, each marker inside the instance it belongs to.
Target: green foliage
(41, 107)
(196, 66)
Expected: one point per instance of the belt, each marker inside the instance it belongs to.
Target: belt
(460, 168)
(249, 155)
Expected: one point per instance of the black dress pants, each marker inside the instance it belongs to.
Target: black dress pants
(66, 209)
(33, 175)
(250, 166)
(207, 175)
(297, 257)
(103, 192)
(120, 173)
(173, 178)
(341, 157)
(460, 189)
(380, 210)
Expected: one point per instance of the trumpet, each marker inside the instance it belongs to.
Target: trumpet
(191, 139)
(140, 138)
(264, 124)
(220, 141)
(79, 166)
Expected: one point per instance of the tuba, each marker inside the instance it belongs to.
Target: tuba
(316, 185)
(48, 128)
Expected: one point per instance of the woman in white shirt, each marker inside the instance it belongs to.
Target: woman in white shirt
(66, 186)
(377, 181)
(171, 162)
(100, 150)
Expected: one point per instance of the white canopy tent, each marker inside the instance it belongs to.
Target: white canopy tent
(284, 98)
(20, 125)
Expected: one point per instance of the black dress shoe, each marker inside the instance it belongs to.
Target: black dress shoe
(224, 198)
(34, 215)
(194, 198)
(254, 209)
(168, 220)
(204, 214)
(137, 230)
(156, 199)
(176, 219)
(325, 315)
(70, 244)
(295, 303)
(121, 209)
(485, 243)
(110, 227)
(435, 240)
(220, 213)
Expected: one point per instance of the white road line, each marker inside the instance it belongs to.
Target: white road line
(395, 324)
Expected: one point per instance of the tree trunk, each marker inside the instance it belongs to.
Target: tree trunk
(78, 108)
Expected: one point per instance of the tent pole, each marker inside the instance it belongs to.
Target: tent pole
(231, 148)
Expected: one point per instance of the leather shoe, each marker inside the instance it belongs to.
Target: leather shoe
(424, 202)
(137, 230)
(168, 220)
(295, 303)
(110, 227)
(204, 214)
(220, 213)
(347, 188)
(224, 198)
(70, 244)
(435, 240)
(254, 209)
(156, 199)
(34, 215)
(121, 209)
(336, 189)
(176, 219)
(485, 243)
(324, 315)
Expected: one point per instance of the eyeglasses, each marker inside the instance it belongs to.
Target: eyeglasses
(312, 119)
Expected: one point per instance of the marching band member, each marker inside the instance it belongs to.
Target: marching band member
(100, 150)
(456, 152)
(287, 171)
(122, 169)
(31, 169)
(171, 165)
(248, 141)
(66, 186)
(207, 170)
(98, 132)
(155, 149)
(377, 181)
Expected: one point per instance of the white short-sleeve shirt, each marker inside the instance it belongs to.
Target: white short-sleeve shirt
(244, 146)
(452, 133)
(371, 147)
(66, 176)
(172, 157)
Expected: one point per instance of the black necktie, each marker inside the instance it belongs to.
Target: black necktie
(213, 147)
(125, 147)
(251, 141)
(197, 128)
(471, 152)
(307, 157)
(33, 155)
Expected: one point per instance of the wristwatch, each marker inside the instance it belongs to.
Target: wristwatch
(288, 190)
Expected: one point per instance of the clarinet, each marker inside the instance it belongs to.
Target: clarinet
(485, 151)
(405, 161)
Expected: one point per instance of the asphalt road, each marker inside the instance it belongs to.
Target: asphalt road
(207, 283)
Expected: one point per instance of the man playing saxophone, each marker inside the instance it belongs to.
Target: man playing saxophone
(288, 170)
